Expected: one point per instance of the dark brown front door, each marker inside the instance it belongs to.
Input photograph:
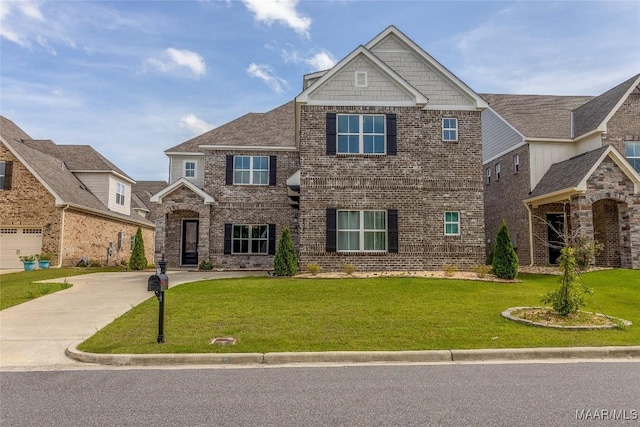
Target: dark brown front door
(555, 238)
(189, 254)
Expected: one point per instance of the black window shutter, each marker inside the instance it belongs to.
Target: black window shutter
(229, 175)
(273, 170)
(332, 226)
(8, 171)
(392, 140)
(227, 238)
(392, 230)
(331, 133)
(272, 239)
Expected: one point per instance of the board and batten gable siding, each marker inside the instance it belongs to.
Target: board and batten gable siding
(420, 74)
(497, 136)
(176, 169)
(98, 183)
(380, 88)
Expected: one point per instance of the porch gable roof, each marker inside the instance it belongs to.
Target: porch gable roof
(182, 182)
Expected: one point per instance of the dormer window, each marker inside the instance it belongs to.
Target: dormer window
(190, 169)
(120, 193)
(361, 79)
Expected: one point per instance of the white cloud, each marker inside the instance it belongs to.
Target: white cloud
(317, 60)
(16, 21)
(267, 75)
(284, 11)
(174, 59)
(196, 125)
(322, 60)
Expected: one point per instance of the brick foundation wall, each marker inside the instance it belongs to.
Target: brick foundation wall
(503, 200)
(427, 177)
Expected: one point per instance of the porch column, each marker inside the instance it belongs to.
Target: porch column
(161, 234)
(581, 217)
(634, 232)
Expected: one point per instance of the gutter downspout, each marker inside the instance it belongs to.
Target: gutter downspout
(530, 234)
(61, 237)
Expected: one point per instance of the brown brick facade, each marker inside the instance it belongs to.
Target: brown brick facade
(625, 123)
(427, 177)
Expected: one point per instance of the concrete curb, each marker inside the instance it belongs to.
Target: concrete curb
(427, 356)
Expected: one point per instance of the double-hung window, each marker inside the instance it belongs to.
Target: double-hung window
(361, 134)
(251, 170)
(488, 175)
(498, 170)
(633, 154)
(5, 175)
(190, 169)
(250, 239)
(449, 129)
(364, 231)
(120, 193)
(452, 223)
(516, 163)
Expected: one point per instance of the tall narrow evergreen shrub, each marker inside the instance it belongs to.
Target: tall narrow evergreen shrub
(505, 259)
(137, 260)
(285, 262)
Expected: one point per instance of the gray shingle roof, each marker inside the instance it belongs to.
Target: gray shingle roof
(55, 173)
(275, 128)
(567, 174)
(143, 190)
(590, 115)
(537, 116)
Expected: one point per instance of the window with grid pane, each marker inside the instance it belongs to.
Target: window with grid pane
(452, 223)
(120, 193)
(361, 134)
(250, 239)
(190, 169)
(362, 231)
(633, 154)
(251, 170)
(449, 129)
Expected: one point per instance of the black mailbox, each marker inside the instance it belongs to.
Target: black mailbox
(158, 283)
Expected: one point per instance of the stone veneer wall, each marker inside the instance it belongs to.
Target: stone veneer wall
(89, 235)
(625, 123)
(29, 204)
(427, 177)
(503, 199)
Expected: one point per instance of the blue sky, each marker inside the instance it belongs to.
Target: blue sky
(134, 78)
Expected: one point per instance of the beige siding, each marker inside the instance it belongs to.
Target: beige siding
(177, 169)
(124, 209)
(380, 88)
(98, 183)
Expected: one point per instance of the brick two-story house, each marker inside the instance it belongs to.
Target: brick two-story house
(67, 200)
(376, 163)
(565, 165)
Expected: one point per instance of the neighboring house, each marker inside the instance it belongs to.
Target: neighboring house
(67, 200)
(377, 163)
(566, 164)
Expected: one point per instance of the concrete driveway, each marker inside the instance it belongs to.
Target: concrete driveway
(36, 334)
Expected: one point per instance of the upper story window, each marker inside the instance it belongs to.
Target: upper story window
(120, 193)
(452, 223)
(488, 176)
(364, 231)
(361, 134)
(5, 175)
(251, 170)
(516, 163)
(449, 129)
(189, 169)
(498, 170)
(361, 79)
(633, 154)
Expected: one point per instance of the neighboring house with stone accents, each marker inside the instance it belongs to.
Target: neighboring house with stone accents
(67, 200)
(569, 161)
(377, 163)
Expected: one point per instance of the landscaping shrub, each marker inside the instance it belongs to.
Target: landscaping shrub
(138, 260)
(505, 259)
(481, 270)
(569, 297)
(348, 268)
(314, 269)
(449, 269)
(285, 262)
(205, 265)
(585, 251)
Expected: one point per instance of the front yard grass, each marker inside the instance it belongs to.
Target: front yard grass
(16, 288)
(387, 313)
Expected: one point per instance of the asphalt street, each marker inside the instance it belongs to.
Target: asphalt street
(524, 394)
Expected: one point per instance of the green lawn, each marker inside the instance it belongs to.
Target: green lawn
(402, 313)
(16, 288)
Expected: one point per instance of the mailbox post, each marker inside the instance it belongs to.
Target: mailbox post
(159, 283)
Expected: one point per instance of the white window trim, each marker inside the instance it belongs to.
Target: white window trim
(361, 79)
(249, 239)
(3, 175)
(516, 163)
(498, 171)
(450, 129)
(488, 178)
(361, 231)
(120, 186)
(251, 170)
(631, 157)
(451, 222)
(361, 135)
(195, 169)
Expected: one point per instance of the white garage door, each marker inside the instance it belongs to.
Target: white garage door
(16, 241)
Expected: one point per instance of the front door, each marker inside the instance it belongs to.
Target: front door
(555, 238)
(189, 253)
